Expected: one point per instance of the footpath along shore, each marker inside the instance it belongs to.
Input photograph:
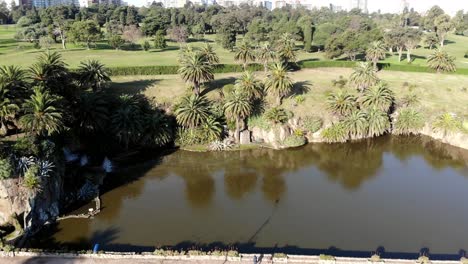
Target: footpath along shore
(40, 258)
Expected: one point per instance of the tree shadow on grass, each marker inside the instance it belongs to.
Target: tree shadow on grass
(218, 84)
(301, 88)
(132, 87)
(165, 49)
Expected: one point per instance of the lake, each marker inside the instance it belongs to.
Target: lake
(400, 195)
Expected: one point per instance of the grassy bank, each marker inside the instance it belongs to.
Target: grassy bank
(437, 92)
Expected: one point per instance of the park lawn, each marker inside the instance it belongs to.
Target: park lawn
(438, 93)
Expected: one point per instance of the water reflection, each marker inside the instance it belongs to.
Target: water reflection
(313, 197)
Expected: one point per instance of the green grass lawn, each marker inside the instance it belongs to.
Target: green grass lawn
(23, 53)
(438, 93)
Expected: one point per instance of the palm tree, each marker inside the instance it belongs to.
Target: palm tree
(376, 52)
(408, 121)
(441, 61)
(238, 107)
(13, 79)
(278, 82)
(447, 123)
(192, 111)
(8, 111)
(244, 53)
(127, 120)
(341, 102)
(335, 133)
(92, 113)
(93, 74)
(249, 85)
(364, 76)
(378, 122)
(157, 129)
(212, 129)
(379, 97)
(356, 124)
(277, 115)
(286, 52)
(196, 69)
(49, 68)
(185, 52)
(265, 54)
(210, 55)
(41, 114)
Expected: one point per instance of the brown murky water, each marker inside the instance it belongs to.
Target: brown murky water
(402, 194)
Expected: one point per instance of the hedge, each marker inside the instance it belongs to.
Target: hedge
(227, 68)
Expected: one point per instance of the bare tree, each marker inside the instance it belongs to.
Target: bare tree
(178, 34)
(132, 34)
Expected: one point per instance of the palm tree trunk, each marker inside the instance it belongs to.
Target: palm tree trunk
(196, 87)
(279, 100)
(375, 65)
(237, 134)
(265, 67)
(244, 65)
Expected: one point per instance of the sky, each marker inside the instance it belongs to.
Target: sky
(450, 6)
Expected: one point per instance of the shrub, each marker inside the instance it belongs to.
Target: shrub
(6, 169)
(160, 40)
(466, 53)
(299, 99)
(447, 123)
(312, 124)
(116, 41)
(335, 133)
(280, 255)
(277, 115)
(233, 253)
(146, 45)
(31, 178)
(258, 121)
(465, 126)
(326, 257)
(423, 259)
(408, 121)
(294, 141)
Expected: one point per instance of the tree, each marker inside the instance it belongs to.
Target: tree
(323, 33)
(157, 129)
(363, 76)
(193, 110)
(378, 122)
(93, 74)
(375, 52)
(408, 121)
(444, 25)
(8, 110)
(244, 53)
(431, 40)
(249, 85)
(160, 40)
(116, 41)
(42, 116)
(210, 55)
(92, 113)
(196, 70)
(441, 61)
(178, 34)
(277, 116)
(237, 107)
(13, 83)
(431, 15)
(226, 37)
(341, 102)
(85, 31)
(286, 49)
(132, 34)
(447, 123)
(307, 28)
(412, 39)
(356, 124)
(127, 120)
(395, 38)
(278, 82)
(265, 54)
(257, 31)
(378, 97)
(51, 71)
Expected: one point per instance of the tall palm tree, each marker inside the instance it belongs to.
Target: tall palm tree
(192, 111)
(210, 55)
(356, 124)
(244, 53)
(93, 74)
(249, 85)
(286, 48)
(364, 76)
(127, 120)
(237, 107)
(379, 97)
(265, 55)
(378, 122)
(41, 115)
(278, 82)
(195, 69)
(49, 68)
(92, 113)
(341, 102)
(441, 61)
(376, 52)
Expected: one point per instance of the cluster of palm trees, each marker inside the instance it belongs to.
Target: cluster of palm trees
(200, 119)
(49, 100)
(368, 112)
